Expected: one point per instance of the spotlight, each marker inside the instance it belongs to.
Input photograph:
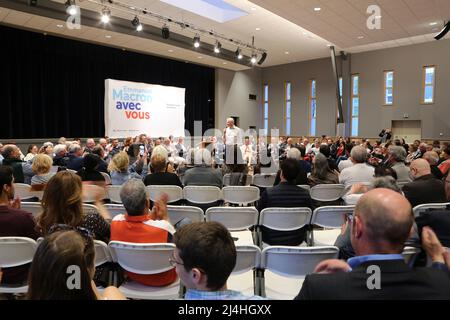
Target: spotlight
(106, 13)
(253, 59)
(444, 31)
(165, 32)
(71, 7)
(32, 3)
(217, 47)
(263, 58)
(197, 41)
(238, 54)
(137, 24)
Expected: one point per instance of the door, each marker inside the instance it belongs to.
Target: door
(409, 130)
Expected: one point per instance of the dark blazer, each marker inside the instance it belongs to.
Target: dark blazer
(285, 195)
(426, 189)
(74, 162)
(398, 282)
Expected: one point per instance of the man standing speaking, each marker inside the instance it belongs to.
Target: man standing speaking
(232, 134)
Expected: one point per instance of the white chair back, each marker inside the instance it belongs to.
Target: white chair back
(90, 208)
(295, 261)
(248, 257)
(241, 195)
(113, 193)
(304, 186)
(16, 251)
(327, 192)
(332, 217)
(23, 191)
(177, 213)
(54, 169)
(202, 194)
(264, 180)
(72, 171)
(142, 258)
(421, 208)
(35, 208)
(114, 209)
(175, 193)
(233, 218)
(107, 178)
(102, 254)
(226, 179)
(285, 219)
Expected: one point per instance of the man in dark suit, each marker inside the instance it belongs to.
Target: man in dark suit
(424, 188)
(381, 224)
(286, 195)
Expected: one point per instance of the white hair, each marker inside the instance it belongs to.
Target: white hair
(59, 148)
(202, 156)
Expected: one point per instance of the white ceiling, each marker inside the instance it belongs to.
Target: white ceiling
(290, 30)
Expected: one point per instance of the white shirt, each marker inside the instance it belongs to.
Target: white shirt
(358, 173)
(344, 164)
(233, 136)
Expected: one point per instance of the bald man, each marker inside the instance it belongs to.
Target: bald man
(424, 188)
(381, 223)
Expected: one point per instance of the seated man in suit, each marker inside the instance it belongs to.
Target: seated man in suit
(425, 188)
(286, 195)
(381, 224)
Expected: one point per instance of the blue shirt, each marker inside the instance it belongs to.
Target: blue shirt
(218, 295)
(356, 261)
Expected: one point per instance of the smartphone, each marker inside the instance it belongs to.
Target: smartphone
(141, 150)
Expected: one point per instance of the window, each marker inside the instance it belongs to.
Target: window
(355, 105)
(388, 88)
(428, 80)
(266, 108)
(312, 107)
(340, 97)
(287, 111)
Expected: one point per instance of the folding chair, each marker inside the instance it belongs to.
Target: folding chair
(113, 193)
(226, 179)
(243, 278)
(175, 193)
(424, 207)
(237, 220)
(283, 219)
(178, 213)
(107, 178)
(14, 252)
(145, 258)
(410, 254)
(90, 208)
(34, 208)
(202, 196)
(264, 180)
(240, 195)
(304, 186)
(23, 191)
(327, 192)
(284, 268)
(115, 209)
(89, 192)
(102, 256)
(331, 218)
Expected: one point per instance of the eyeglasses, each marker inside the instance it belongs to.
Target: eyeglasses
(173, 262)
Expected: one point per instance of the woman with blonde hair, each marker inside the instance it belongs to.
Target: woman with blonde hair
(42, 164)
(121, 171)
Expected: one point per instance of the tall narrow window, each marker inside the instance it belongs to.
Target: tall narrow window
(388, 88)
(266, 108)
(312, 107)
(287, 111)
(340, 98)
(355, 104)
(428, 81)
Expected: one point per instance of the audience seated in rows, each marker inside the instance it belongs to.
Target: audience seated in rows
(204, 257)
(294, 153)
(203, 174)
(140, 225)
(14, 222)
(287, 195)
(159, 174)
(55, 257)
(381, 223)
(235, 165)
(424, 188)
(42, 164)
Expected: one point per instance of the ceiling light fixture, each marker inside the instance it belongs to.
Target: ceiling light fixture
(238, 54)
(443, 32)
(106, 14)
(196, 41)
(137, 24)
(165, 32)
(317, 9)
(253, 59)
(71, 7)
(217, 47)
